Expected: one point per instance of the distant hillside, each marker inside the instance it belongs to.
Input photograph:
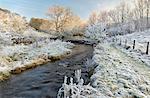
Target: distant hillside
(15, 24)
(41, 24)
(12, 22)
(76, 28)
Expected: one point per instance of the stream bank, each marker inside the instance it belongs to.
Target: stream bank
(44, 81)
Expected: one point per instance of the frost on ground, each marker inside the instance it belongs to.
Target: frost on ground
(22, 47)
(14, 56)
(141, 39)
(118, 75)
(137, 55)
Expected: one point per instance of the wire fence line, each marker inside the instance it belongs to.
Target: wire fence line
(144, 47)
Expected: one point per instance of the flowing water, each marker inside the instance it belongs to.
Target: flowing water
(44, 81)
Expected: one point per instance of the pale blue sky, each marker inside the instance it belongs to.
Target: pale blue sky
(38, 8)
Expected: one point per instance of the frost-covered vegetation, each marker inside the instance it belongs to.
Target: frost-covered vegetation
(116, 76)
(95, 31)
(12, 22)
(16, 24)
(119, 20)
(21, 47)
(120, 72)
(77, 89)
(141, 41)
(14, 55)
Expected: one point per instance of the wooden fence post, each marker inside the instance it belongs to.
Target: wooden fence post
(134, 44)
(147, 49)
(120, 42)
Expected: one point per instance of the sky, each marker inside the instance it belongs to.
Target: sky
(38, 8)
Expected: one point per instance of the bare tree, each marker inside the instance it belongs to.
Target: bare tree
(147, 3)
(139, 8)
(104, 17)
(93, 18)
(124, 11)
(114, 16)
(121, 8)
(139, 4)
(60, 16)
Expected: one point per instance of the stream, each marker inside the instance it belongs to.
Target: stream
(44, 81)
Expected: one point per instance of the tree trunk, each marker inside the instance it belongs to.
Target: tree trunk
(147, 12)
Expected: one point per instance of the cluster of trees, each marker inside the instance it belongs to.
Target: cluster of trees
(63, 21)
(127, 17)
